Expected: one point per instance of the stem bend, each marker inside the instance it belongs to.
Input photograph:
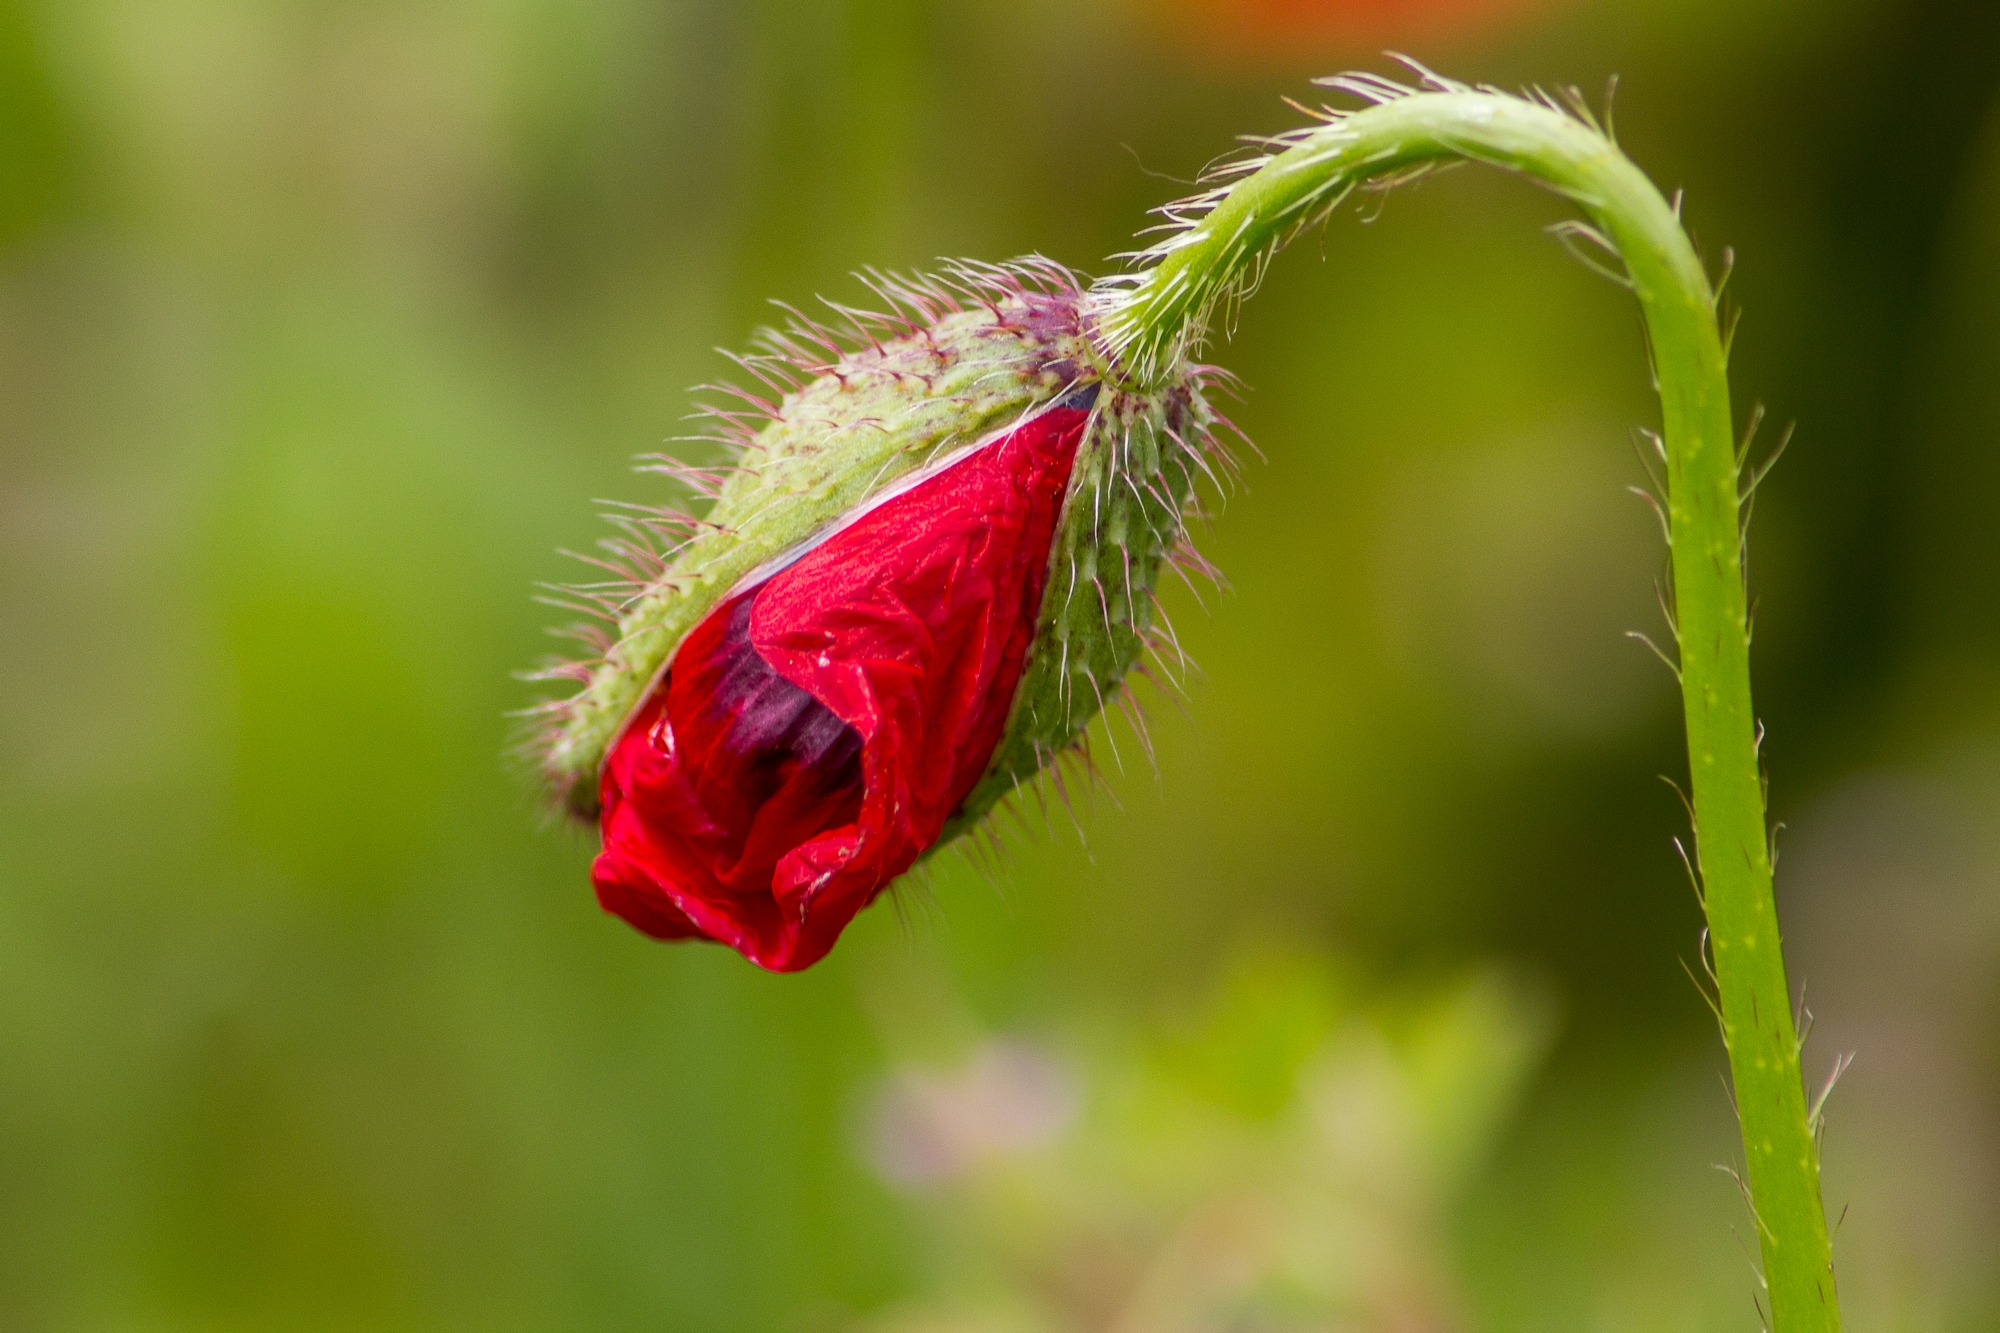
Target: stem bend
(1153, 319)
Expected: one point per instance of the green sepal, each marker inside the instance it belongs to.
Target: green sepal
(870, 419)
(1129, 488)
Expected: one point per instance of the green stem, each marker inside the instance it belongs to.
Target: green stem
(1152, 321)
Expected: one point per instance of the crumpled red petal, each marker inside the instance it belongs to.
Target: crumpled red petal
(814, 732)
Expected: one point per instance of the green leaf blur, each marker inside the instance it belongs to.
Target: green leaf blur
(322, 322)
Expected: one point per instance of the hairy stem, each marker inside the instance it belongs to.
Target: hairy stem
(1152, 319)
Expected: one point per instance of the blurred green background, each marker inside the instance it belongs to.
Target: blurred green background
(321, 324)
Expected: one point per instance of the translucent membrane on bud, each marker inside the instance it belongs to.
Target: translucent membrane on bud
(814, 733)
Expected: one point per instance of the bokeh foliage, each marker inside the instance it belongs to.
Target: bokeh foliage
(321, 323)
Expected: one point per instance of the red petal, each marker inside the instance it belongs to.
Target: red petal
(734, 806)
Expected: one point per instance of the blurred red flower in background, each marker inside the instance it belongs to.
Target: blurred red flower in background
(1305, 29)
(816, 730)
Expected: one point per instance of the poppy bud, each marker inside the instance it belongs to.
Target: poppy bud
(931, 566)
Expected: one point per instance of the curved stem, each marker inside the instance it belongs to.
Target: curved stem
(1152, 319)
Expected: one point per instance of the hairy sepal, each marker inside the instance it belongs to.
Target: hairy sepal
(868, 422)
(987, 352)
(1129, 492)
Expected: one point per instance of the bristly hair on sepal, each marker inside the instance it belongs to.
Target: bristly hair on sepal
(846, 411)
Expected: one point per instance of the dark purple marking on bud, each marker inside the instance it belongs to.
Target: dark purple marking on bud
(774, 725)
